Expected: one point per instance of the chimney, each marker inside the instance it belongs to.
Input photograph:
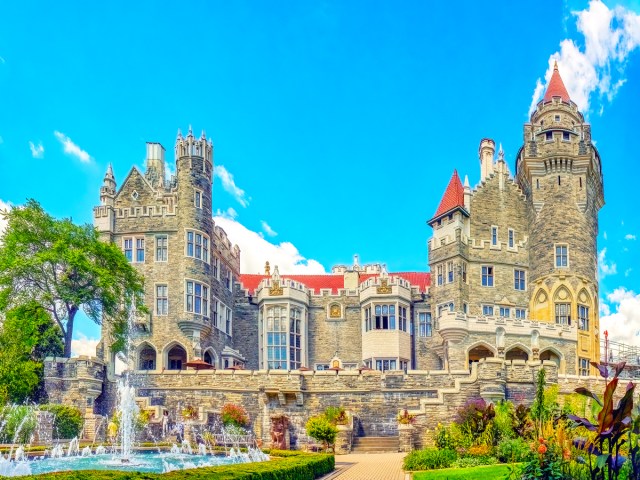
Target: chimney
(486, 152)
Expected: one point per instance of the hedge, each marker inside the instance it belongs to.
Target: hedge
(282, 466)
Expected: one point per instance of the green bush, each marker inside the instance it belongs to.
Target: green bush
(429, 459)
(19, 423)
(322, 430)
(466, 462)
(67, 422)
(513, 450)
(290, 466)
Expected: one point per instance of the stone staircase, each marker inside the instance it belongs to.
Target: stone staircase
(375, 444)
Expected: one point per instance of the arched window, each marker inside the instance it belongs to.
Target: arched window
(176, 358)
(147, 358)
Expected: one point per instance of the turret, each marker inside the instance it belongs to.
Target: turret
(559, 171)
(108, 188)
(104, 215)
(486, 152)
(155, 164)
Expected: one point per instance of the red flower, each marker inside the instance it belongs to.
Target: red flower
(542, 449)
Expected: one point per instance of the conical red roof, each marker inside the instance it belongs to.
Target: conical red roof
(556, 87)
(453, 196)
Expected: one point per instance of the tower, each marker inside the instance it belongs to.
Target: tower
(104, 214)
(559, 170)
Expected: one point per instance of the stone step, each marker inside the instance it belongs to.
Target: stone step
(375, 444)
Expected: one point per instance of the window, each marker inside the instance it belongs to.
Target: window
(440, 268)
(367, 319)
(549, 136)
(465, 308)
(402, 318)
(487, 276)
(583, 317)
(197, 298)
(198, 246)
(519, 279)
(216, 266)
(214, 305)
(295, 349)
(139, 250)
(487, 310)
(562, 256)
(444, 308)
(424, 324)
(128, 248)
(227, 321)
(584, 367)
(162, 300)
(563, 313)
(556, 118)
(384, 365)
(521, 313)
(385, 317)
(511, 238)
(449, 272)
(147, 359)
(228, 280)
(505, 312)
(565, 136)
(162, 244)
(277, 338)
(198, 199)
(464, 272)
(494, 236)
(538, 183)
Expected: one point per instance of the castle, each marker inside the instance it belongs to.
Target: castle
(512, 281)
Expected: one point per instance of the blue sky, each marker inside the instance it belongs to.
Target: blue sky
(336, 125)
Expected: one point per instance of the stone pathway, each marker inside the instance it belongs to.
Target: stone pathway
(369, 466)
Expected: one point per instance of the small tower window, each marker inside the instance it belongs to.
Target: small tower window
(134, 195)
(556, 118)
(565, 136)
(580, 179)
(198, 199)
(494, 236)
(538, 183)
(549, 136)
(558, 179)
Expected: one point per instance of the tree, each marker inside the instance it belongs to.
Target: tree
(65, 268)
(27, 336)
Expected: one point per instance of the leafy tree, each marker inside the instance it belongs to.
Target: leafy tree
(320, 428)
(27, 336)
(67, 420)
(65, 268)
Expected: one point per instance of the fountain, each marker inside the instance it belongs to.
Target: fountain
(77, 457)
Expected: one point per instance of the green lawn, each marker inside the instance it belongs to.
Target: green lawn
(488, 472)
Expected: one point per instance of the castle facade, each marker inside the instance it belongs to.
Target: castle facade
(512, 269)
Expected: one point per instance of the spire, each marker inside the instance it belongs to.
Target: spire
(556, 87)
(466, 182)
(179, 136)
(501, 154)
(453, 196)
(190, 134)
(204, 135)
(109, 173)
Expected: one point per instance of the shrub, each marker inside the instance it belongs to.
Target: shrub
(475, 416)
(336, 415)
(19, 424)
(513, 450)
(466, 462)
(521, 422)
(234, 415)
(429, 459)
(452, 437)
(479, 451)
(320, 428)
(67, 421)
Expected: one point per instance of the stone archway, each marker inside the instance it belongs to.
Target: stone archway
(176, 358)
(479, 352)
(147, 357)
(516, 353)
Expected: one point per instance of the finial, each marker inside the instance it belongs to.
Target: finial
(355, 262)
(190, 131)
(109, 171)
(276, 273)
(179, 134)
(267, 268)
(466, 182)
(555, 65)
(501, 154)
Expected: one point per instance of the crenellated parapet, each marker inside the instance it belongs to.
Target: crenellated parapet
(74, 381)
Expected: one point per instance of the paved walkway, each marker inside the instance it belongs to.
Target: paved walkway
(370, 466)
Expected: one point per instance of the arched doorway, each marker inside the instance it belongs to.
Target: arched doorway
(516, 353)
(479, 352)
(550, 355)
(176, 358)
(147, 358)
(209, 358)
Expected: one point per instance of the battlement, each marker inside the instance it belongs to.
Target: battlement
(229, 252)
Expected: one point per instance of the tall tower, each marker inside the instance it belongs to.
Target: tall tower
(559, 170)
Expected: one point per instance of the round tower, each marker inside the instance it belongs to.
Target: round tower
(558, 168)
(194, 174)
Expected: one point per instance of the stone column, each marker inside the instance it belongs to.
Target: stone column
(43, 433)
(405, 434)
(344, 439)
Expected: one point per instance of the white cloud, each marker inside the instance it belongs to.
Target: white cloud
(229, 184)
(229, 213)
(610, 35)
(629, 236)
(255, 251)
(83, 345)
(37, 151)
(268, 230)
(605, 268)
(71, 148)
(623, 324)
(3, 223)
(628, 271)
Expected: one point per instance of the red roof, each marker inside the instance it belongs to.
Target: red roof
(250, 282)
(453, 196)
(556, 87)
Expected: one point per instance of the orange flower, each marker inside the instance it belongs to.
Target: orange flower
(542, 449)
(541, 440)
(566, 454)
